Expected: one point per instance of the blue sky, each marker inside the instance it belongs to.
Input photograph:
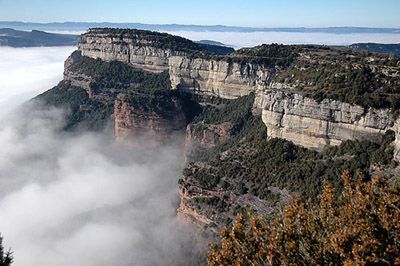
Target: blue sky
(255, 13)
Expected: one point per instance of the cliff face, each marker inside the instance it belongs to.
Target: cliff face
(201, 137)
(77, 79)
(210, 209)
(317, 125)
(126, 50)
(396, 143)
(291, 116)
(215, 77)
(221, 78)
(132, 123)
(299, 119)
(215, 191)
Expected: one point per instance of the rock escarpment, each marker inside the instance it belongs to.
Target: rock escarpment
(211, 207)
(318, 125)
(396, 144)
(217, 77)
(130, 50)
(187, 69)
(202, 136)
(142, 78)
(133, 122)
(294, 117)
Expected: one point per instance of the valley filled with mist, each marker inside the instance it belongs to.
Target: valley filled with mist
(140, 147)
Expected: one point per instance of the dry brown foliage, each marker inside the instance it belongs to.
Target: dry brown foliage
(361, 227)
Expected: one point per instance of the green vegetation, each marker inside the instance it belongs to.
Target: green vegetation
(236, 112)
(151, 38)
(216, 203)
(149, 92)
(116, 75)
(82, 112)
(164, 102)
(361, 227)
(377, 47)
(251, 162)
(267, 55)
(369, 80)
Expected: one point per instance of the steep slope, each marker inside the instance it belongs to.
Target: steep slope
(250, 173)
(191, 67)
(249, 116)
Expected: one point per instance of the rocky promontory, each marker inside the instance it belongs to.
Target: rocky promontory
(190, 66)
(261, 123)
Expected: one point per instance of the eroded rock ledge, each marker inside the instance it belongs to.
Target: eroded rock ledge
(317, 125)
(221, 78)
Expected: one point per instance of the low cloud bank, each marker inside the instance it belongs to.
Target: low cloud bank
(26, 72)
(250, 39)
(84, 200)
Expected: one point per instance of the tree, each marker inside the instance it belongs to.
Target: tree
(361, 227)
(6, 258)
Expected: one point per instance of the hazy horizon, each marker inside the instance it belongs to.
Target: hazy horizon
(80, 198)
(252, 13)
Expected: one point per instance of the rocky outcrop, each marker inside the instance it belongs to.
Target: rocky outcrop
(317, 125)
(132, 123)
(202, 136)
(287, 115)
(210, 209)
(221, 78)
(77, 79)
(396, 143)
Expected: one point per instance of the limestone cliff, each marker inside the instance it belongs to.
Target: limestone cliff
(396, 144)
(142, 79)
(286, 112)
(317, 125)
(220, 78)
(76, 78)
(128, 50)
(187, 69)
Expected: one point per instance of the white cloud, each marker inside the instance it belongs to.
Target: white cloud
(26, 72)
(250, 39)
(84, 200)
(79, 200)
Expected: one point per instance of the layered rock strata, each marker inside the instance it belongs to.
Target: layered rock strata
(290, 116)
(213, 208)
(132, 123)
(222, 78)
(202, 136)
(317, 125)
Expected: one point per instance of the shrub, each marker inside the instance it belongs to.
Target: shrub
(361, 227)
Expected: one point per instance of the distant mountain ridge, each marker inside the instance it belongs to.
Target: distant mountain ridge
(83, 26)
(34, 38)
(377, 47)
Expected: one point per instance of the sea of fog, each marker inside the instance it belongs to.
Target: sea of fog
(82, 199)
(250, 39)
(26, 72)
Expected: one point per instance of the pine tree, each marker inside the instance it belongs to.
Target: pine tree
(6, 258)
